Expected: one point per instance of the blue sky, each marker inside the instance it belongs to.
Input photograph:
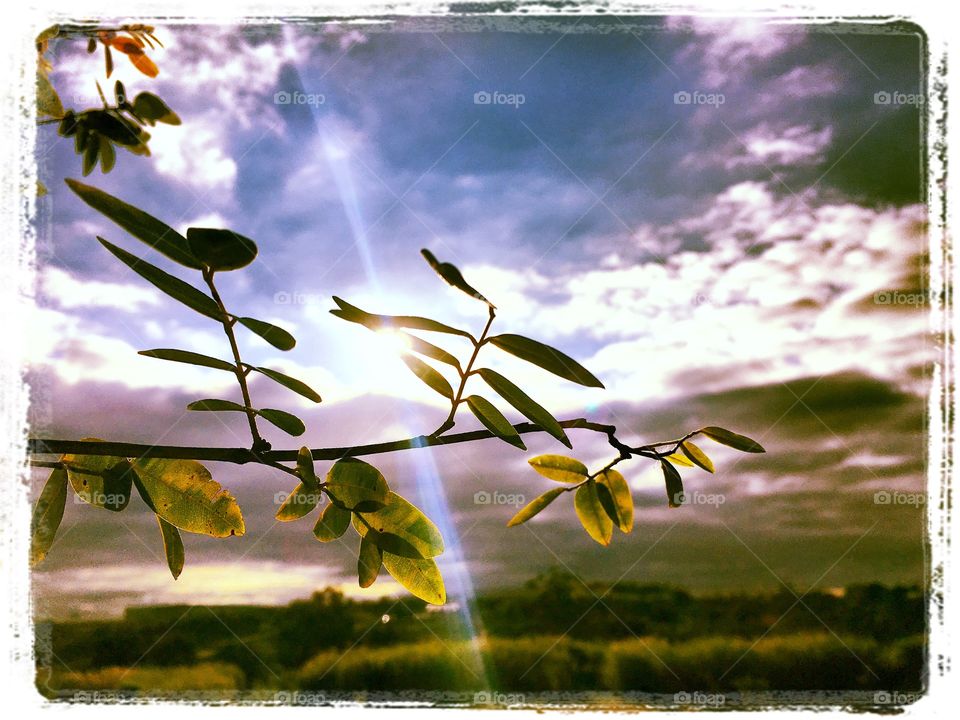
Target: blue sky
(712, 261)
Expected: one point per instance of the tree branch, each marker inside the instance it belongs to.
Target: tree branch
(40, 446)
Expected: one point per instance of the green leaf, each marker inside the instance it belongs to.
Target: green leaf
(369, 561)
(679, 459)
(191, 358)
(696, 455)
(305, 468)
(732, 439)
(357, 484)
(48, 102)
(399, 517)
(91, 152)
(674, 484)
(214, 405)
(352, 313)
(430, 377)
(333, 523)
(108, 156)
(47, 515)
(299, 503)
(158, 235)
(276, 336)
(430, 350)
(546, 357)
(172, 286)
(535, 506)
(620, 496)
(453, 276)
(172, 547)
(152, 109)
(111, 125)
(183, 493)
(560, 468)
(221, 249)
(290, 424)
(494, 421)
(102, 481)
(592, 516)
(421, 577)
(394, 544)
(298, 386)
(524, 403)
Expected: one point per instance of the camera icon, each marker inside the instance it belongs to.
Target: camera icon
(682, 98)
(881, 98)
(281, 298)
(682, 697)
(282, 98)
(482, 98)
(679, 498)
(882, 698)
(881, 497)
(482, 497)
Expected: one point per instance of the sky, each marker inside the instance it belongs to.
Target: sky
(724, 220)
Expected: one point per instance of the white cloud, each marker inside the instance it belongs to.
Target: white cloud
(782, 146)
(65, 291)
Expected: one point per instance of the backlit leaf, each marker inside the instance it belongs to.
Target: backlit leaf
(535, 506)
(333, 523)
(48, 102)
(287, 422)
(732, 439)
(191, 358)
(428, 375)
(221, 249)
(674, 484)
(107, 155)
(184, 494)
(214, 405)
(172, 286)
(47, 515)
(298, 386)
(300, 502)
(357, 484)
(172, 547)
(679, 459)
(152, 109)
(352, 313)
(696, 455)
(524, 403)
(494, 421)
(591, 513)
(546, 357)
(621, 497)
(430, 350)
(276, 336)
(102, 481)
(421, 577)
(369, 561)
(406, 521)
(305, 468)
(453, 276)
(560, 468)
(158, 235)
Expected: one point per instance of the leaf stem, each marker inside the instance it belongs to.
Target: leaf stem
(259, 444)
(465, 375)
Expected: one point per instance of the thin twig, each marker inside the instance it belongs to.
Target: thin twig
(40, 446)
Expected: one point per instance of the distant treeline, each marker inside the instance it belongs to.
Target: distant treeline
(267, 643)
